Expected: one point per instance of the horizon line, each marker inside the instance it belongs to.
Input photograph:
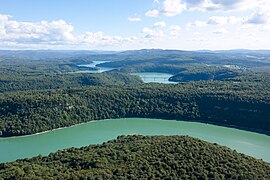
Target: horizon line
(237, 49)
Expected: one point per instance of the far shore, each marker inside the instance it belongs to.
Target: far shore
(43, 132)
(198, 121)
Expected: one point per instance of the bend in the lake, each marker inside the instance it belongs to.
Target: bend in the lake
(253, 144)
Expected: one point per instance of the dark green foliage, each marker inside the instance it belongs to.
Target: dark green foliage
(50, 81)
(200, 73)
(244, 105)
(186, 71)
(247, 60)
(48, 96)
(241, 99)
(141, 157)
(152, 67)
(35, 75)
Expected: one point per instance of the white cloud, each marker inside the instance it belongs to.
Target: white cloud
(99, 39)
(175, 30)
(4, 18)
(160, 24)
(259, 17)
(156, 33)
(223, 5)
(45, 34)
(134, 19)
(167, 8)
(201, 39)
(220, 31)
(197, 24)
(175, 7)
(152, 13)
(172, 7)
(222, 20)
(151, 33)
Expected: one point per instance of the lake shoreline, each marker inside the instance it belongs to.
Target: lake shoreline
(43, 132)
(203, 122)
(88, 133)
(267, 133)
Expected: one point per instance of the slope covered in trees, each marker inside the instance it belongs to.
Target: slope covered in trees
(18, 75)
(141, 157)
(244, 105)
(55, 97)
(200, 73)
(55, 81)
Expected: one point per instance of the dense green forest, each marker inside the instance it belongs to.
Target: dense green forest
(39, 90)
(141, 157)
(251, 60)
(17, 75)
(55, 81)
(190, 69)
(188, 72)
(244, 105)
(205, 73)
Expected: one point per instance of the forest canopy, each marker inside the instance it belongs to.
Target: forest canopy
(243, 105)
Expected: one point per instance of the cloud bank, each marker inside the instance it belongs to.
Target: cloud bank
(46, 34)
(176, 7)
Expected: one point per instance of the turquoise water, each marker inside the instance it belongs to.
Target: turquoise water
(253, 144)
(148, 77)
(99, 69)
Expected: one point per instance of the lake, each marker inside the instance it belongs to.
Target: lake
(148, 77)
(94, 65)
(253, 144)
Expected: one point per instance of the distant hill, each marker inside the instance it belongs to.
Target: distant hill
(48, 54)
(141, 157)
(175, 51)
(152, 51)
(238, 51)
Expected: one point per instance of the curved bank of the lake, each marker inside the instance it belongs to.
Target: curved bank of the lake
(253, 144)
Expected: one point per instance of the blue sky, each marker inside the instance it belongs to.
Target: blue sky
(134, 24)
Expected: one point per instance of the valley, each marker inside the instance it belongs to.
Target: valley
(136, 94)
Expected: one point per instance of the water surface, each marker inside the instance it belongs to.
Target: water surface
(148, 77)
(94, 65)
(254, 144)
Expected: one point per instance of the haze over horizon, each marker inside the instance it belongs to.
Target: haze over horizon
(123, 25)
